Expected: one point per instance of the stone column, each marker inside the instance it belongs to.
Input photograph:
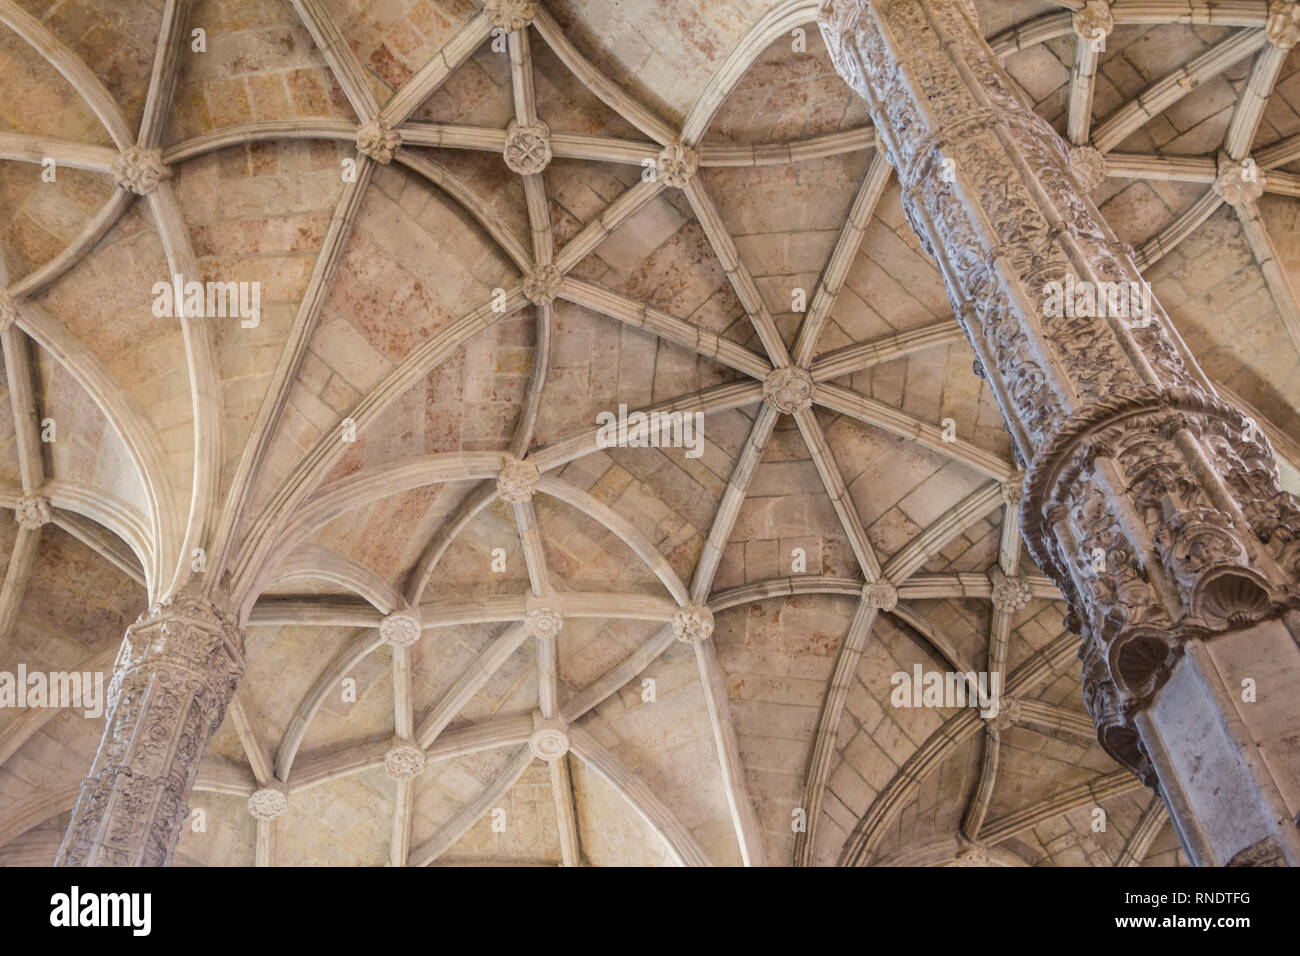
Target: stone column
(1152, 503)
(177, 670)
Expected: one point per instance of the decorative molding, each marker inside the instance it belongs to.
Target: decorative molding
(32, 512)
(542, 285)
(518, 480)
(528, 148)
(400, 629)
(1239, 183)
(267, 803)
(175, 674)
(677, 164)
(139, 170)
(378, 140)
(693, 623)
(510, 15)
(882, 595)
(404, 760)
(1088, 164)
(789, 390)
(1283, 26)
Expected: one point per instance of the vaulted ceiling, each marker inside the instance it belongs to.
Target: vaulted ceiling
(377, 311)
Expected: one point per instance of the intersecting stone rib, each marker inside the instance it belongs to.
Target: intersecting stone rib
(1082, 82)
(74, 70)
(1103, 787)
(469, 682)
(724, 247)
(1168, 238)
(642, 316)
(680, 841)
(1152, 821)
(1168, 90)
(1275, 274)
(460, 824)
(343, 64)
(162, 80)
(782, 154)
(842, 257)
(425, 81)
(23, 148)
(610, 94)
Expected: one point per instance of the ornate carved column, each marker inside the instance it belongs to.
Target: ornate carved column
(1152, 503)
(177, 670)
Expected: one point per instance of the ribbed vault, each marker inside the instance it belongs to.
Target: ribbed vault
(466, 309)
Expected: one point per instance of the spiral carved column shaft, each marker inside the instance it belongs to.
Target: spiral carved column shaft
(1153, 504)
(177, 671)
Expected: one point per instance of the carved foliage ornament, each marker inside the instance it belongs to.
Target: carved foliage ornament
(510, 15)
(175, 674)
(32, 512)
(379, 141)
(881, 595)
(789, 390)
(1283, 26)
(1130, 460)
(139, 170)
(677, 164)
(404, 761)
(693, 623)
(544, 622)
(518, 480)
(542, 285)
(267, 803)
(1089, 167)
(1094, 20)
(1239, 184)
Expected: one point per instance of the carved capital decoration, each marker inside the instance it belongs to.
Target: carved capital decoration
(1093, 21)
(32, 512)
(176, 672)
(542, 285)
(544, 622)
(692, 624)
(1148, 500)
(789, 390)
(379, 141)
(1013, 491)
(139, 170)
(882, 595)
(1283, 26)
(1089, 167)
(404, 760)
(267, 803)
(528, 148)
(518, 480)
(677, 164)
(1239, 184)
(400, 629)
(510, 15)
